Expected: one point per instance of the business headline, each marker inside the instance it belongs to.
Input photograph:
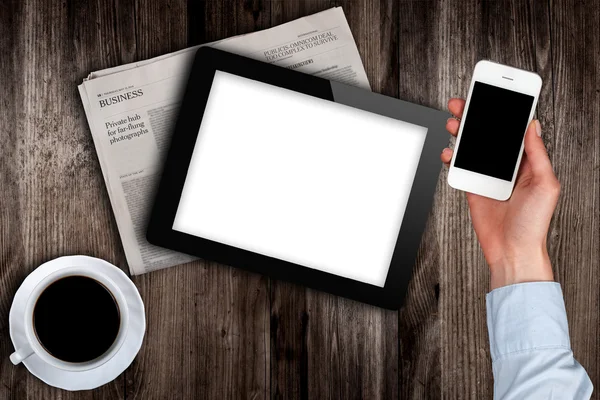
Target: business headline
(298, 46)
(126, 128)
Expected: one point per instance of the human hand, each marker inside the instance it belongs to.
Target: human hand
(512, 233)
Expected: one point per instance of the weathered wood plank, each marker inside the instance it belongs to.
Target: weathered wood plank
(374, 26)
(13, 381)
(290, 317)
(501, 31)
(53, 198)
(419, 320)
(324, 346)
(518, 34)
(208, 324)
(574, 239)
(465, 369)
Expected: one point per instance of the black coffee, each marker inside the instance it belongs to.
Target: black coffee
(76, 319)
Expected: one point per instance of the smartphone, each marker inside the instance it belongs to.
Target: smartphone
(489, 145)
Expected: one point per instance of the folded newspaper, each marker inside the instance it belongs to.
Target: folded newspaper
(132, 109)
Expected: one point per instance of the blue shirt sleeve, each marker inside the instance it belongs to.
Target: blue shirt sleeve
(530, 345)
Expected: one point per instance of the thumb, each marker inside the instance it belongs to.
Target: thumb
(536, 152)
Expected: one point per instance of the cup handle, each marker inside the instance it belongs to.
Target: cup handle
(21, 354)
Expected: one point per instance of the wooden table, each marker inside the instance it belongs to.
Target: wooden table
(217, 332)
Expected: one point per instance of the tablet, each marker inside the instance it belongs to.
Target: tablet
(299, 178)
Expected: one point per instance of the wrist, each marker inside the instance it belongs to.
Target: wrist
(524, 267)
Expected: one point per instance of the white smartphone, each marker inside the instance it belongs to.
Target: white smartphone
(489, 145)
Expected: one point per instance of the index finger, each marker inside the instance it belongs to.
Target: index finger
(456, 107)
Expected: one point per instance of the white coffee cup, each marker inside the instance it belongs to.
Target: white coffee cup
(34, 346)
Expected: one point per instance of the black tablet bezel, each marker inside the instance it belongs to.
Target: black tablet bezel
(160, 229)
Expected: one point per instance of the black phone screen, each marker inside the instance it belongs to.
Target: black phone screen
(493, 131)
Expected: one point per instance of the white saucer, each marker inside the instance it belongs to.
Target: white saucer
(105, 373)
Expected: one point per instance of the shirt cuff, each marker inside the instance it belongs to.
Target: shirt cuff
(526, 316)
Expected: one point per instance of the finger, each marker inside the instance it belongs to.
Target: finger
(446, 155)
(537, 156)
(452, 126)
(456, 107)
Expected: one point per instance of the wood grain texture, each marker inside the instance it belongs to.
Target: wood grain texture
(419, 321)
(208, 324)
(466, 368)
(319, 342)
(500, 31)
(53, 198)
(12, 251)
(218, 332)
(574, 240)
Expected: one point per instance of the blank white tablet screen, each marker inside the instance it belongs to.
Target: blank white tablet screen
(299, 178)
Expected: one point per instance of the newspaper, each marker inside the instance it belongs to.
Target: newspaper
(132, 109)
